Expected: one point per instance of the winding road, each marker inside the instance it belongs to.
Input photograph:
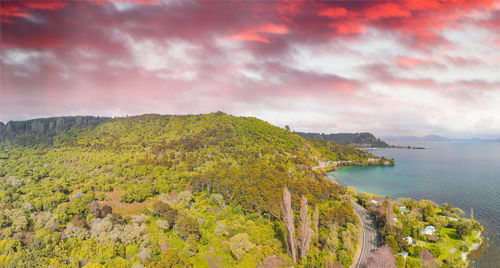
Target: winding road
(369, 239)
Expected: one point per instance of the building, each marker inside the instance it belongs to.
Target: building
(429, 230)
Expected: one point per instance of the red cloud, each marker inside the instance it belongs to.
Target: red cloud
(135, 2)
(44, 5)
(256, 34)
(334, 12)
(418, 23)
(9, 11)
(21, 9)
(386, 10)
(348, 27)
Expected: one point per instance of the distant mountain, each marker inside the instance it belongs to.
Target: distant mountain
(434, 138)
(428, 138)
(364, 139)
(477, 140)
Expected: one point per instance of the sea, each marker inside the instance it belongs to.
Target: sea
(464, 174)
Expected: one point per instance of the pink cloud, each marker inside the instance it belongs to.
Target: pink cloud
(410, 62)
(238, 54)
(334, 12)
(256, 34)
(387, 10)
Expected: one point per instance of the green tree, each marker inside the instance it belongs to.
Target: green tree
(464, 228)
(240, 244)
(187, 225)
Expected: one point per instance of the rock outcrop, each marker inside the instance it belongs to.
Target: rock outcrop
(47, 127)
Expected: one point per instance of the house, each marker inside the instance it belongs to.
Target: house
(429, 230)
(375, 202)
(403, 210)
(409, 240)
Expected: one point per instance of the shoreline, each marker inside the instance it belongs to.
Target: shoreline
(473, 247)
(404, 147)
(464, 256)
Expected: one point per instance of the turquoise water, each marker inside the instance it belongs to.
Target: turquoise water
(466, 175)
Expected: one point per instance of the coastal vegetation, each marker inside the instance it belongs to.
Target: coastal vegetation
(171, 191)
(421, 233)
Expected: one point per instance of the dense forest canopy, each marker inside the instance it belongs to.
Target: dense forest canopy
(151, 190)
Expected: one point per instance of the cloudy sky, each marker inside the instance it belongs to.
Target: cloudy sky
(390, 67)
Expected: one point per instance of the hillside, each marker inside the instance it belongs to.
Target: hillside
(361, 140)
(156, 191)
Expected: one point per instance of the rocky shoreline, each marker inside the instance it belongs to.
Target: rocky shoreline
(472, 248)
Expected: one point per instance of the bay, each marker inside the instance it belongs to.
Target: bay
(466, 175)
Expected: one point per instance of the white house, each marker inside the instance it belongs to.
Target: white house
(429, 230)
(375, 202)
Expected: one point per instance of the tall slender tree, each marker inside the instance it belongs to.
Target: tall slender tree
(289, 224)
(316, 221)
(305, 228)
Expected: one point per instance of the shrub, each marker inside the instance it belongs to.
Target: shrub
(164, 210)
(163, 225)
(106, 210)
(240, 244)
(171, 258)
(45, 220)
(79, 221)
(435, 250)
(217, 200)
(187, 225)
(76, 232)
(464, 228)
(185, 197)
(95, 209)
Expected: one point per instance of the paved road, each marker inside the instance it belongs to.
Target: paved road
(369, 241)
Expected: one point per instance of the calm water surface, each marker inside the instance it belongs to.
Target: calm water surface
(466, 175)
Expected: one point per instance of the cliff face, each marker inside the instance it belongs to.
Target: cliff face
(47, 127)
(364, 139)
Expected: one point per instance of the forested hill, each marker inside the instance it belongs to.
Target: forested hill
(188, 190)
(362, 140)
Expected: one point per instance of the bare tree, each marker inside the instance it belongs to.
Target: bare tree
(316, 221)
(389, 211)
(382, 258)
(289, 224)
(427, 259)
(305, 228)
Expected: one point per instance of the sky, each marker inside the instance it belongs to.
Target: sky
(413, 67)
